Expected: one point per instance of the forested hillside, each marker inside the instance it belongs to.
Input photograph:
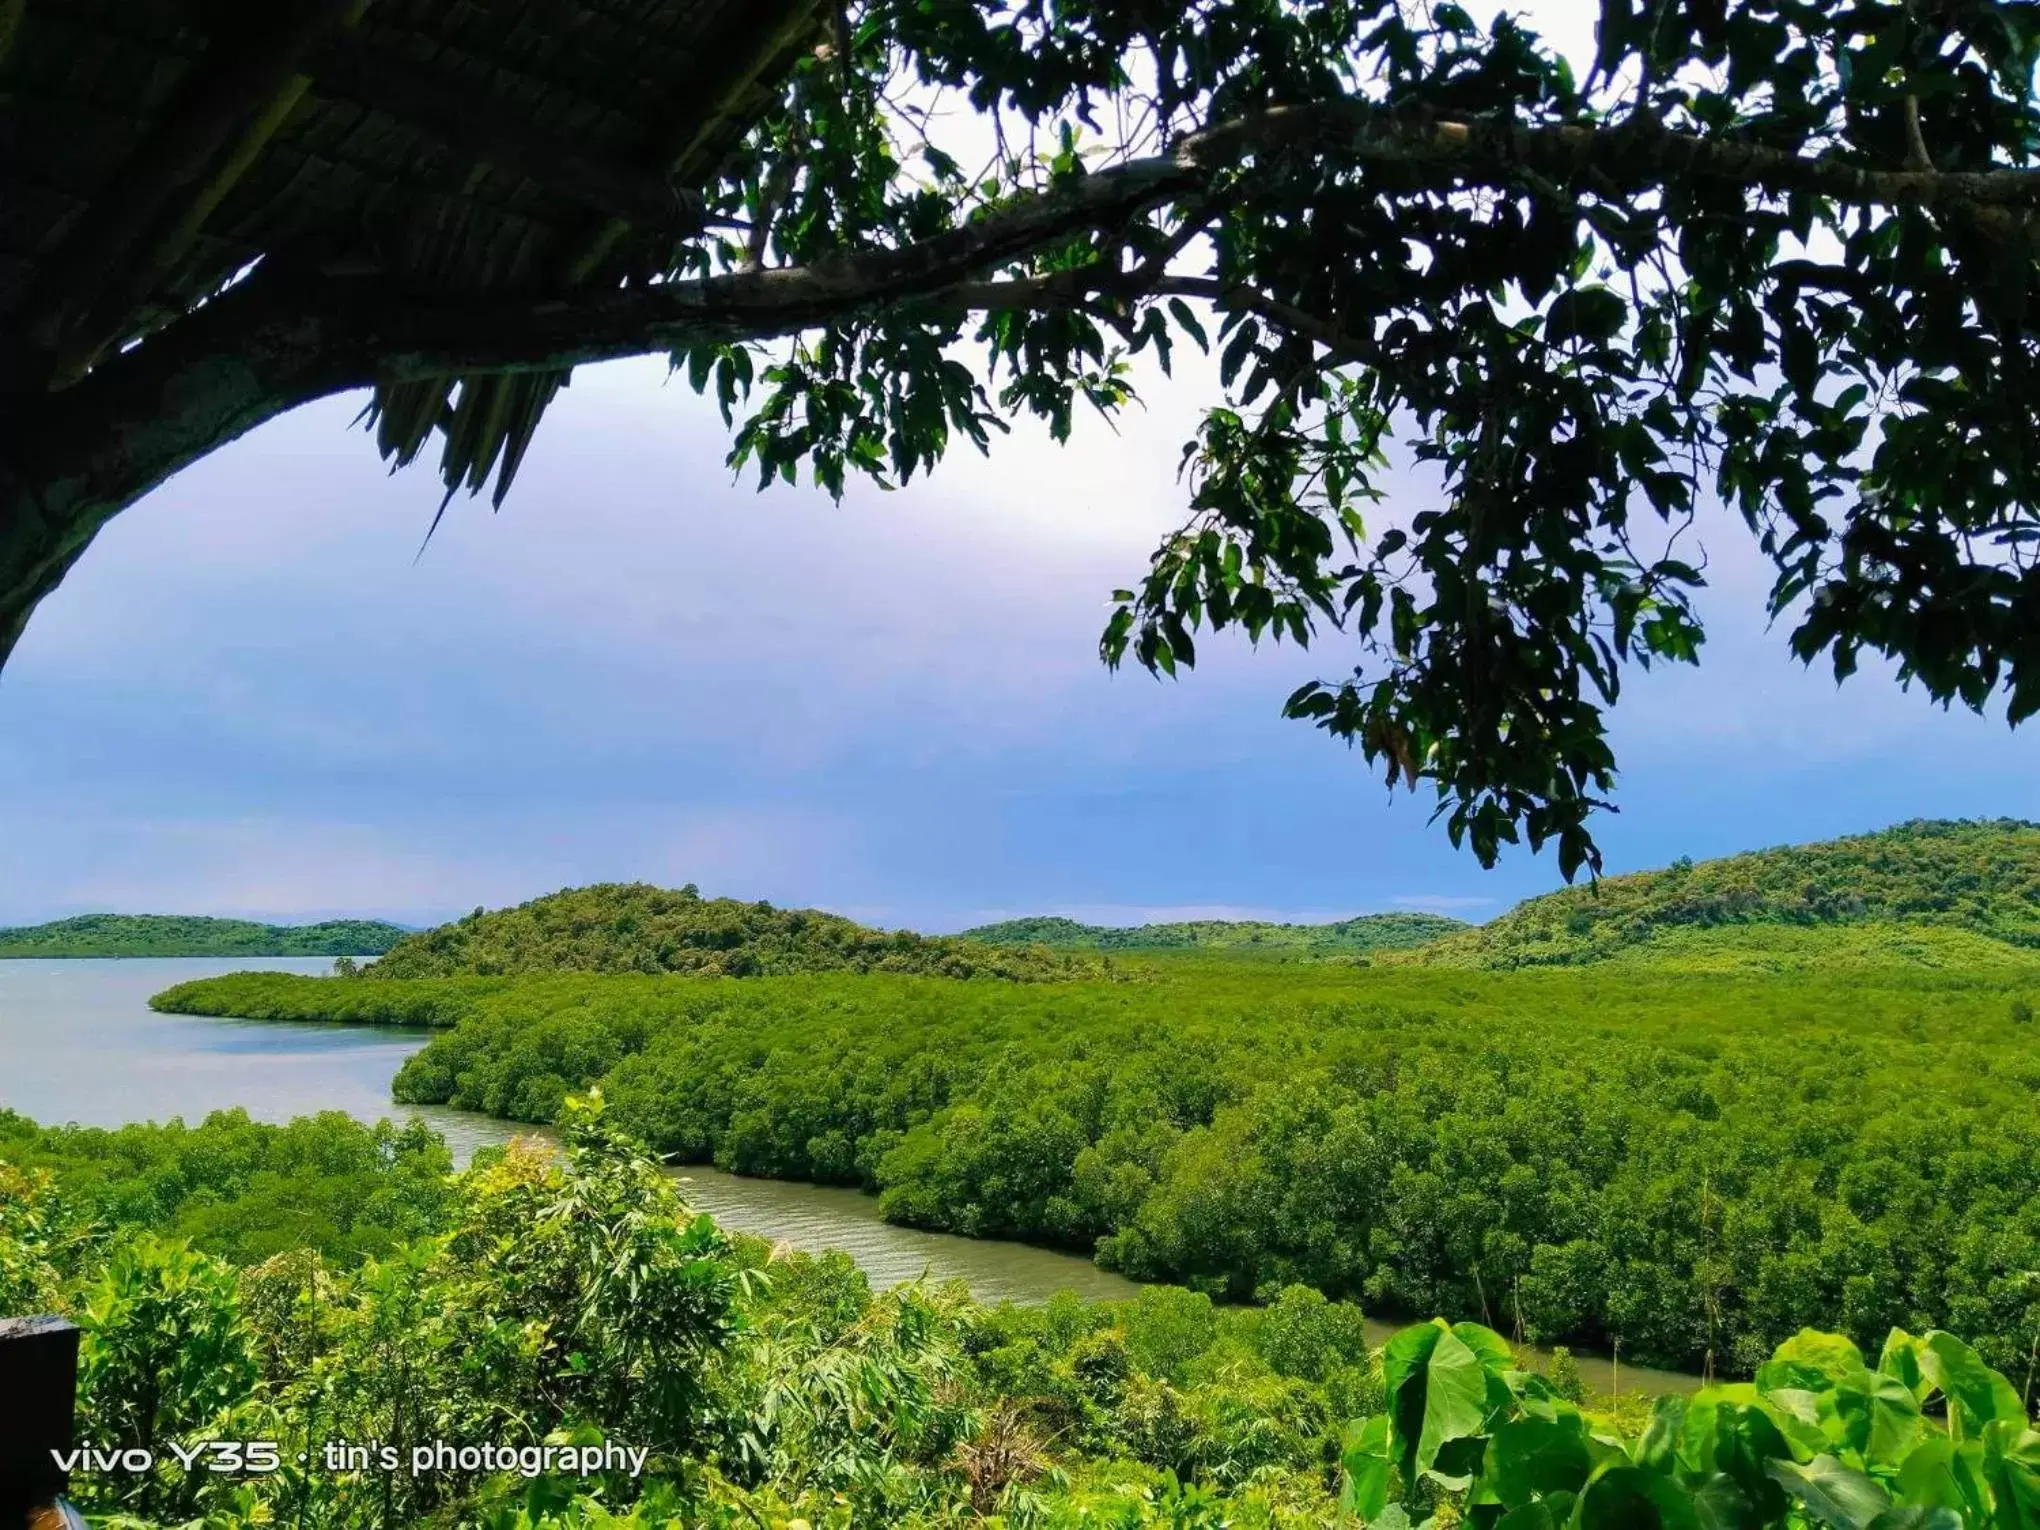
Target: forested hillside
(1981, 877)
(179, 935)
(1689, 1163)
(634, 927)
(1345, 937)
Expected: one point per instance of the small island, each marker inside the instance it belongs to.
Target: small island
(187, 935)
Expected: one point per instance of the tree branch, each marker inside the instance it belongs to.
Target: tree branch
(1628, 158)
(376, 334)
(276, 341)
(394, 339)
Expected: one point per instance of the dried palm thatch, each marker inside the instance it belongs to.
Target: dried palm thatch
(154, 152)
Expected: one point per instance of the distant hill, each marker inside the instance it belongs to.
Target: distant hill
(181, 935)
(1347, 937)
(633, 927)
(1978, 878)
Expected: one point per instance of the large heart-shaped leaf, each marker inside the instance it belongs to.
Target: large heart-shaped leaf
(1729, 1430)
(1977, 1394)
(1531, 1458)
(1366, 1460)
(1810, 1360)
(1901, 1358)
(1939, 1473)
(1438, 1391)
(1832, 1494)
(1913, 1517)
(1630, 1498)
(1873, 1414)
(1546, 1514)
(2011, 1465)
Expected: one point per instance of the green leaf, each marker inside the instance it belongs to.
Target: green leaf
(1901, 1359)
(1974, 1391)
(1729, 1430)
(1943, 1474)
(1493, 1350)
(1831, 1493)
(1531, 1458)
(2011, 1465)
(1546, 1514)
(1913, 1517)
(1872, 1414)
(1366, 1461)
(1437, 1392)
(1719, 1503)
(1660, 1441)
(1811, 1360)
(1630, 1498)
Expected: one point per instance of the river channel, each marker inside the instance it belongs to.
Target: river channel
(79, 1043)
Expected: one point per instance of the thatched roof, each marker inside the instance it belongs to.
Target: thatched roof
(152, 149)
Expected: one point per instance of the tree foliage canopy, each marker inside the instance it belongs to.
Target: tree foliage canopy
(635, 927)
(1672, 1155)
(194, 935)
(1978, 877)
(1339, 938)
(1775, 252)
(1770, 252)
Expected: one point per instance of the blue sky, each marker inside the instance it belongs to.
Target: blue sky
(250, 700)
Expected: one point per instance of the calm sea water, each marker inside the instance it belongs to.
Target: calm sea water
(78, 1042)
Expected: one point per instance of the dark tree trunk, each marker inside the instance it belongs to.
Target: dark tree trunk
(72, 460)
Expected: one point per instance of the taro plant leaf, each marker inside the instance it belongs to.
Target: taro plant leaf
(1901, 1358)
(1496, 1359)
(1458, 1462)
(1830, 1493)
(1810, 1360)
(1553, 1513)
(1719, 1503)
(1914, 1517)
(1977, 1395)
(1491, 1347)
(1660, 1440)
(1737, 1436)
(2011, 1465)
(1531, 1458)
(1366, 1460)
(1941, 1473)
(1872, 1414)
(1630, 1498)
(1438, 1391)
(1796, 1412)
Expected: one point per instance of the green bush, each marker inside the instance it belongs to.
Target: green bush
(571, 1298)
